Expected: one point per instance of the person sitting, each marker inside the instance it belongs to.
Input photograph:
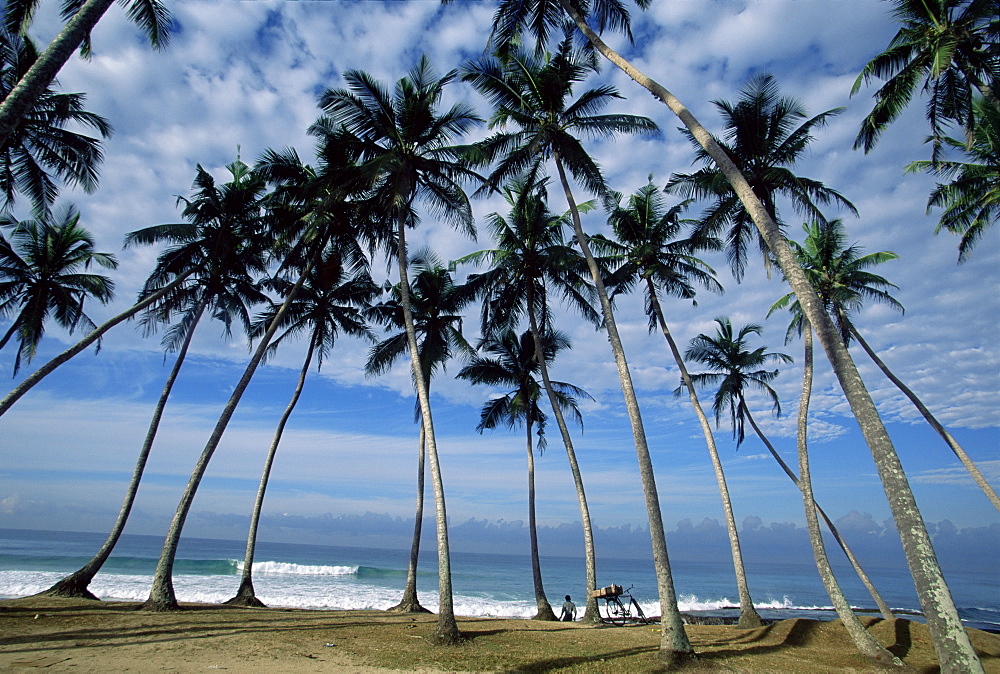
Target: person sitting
(568, 610)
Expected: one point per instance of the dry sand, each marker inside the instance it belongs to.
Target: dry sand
(62, 635)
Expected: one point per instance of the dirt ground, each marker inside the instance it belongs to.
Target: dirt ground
(84, 636)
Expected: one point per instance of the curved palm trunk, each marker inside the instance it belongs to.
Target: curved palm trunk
(161, 594)
(674, 644)
(245, 595)
(76, 584)
(40, 76)
(935, 424)
(94, 335)
(748, 614)
(447, 628)
(951, 642)
(409, 603)
(865, 642)
(544, 608)
(590, 613)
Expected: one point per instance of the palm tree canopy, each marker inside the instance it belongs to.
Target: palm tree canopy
(41, 145)
(531, 257)
(839, 274)
(537, 119)
(970, 201)
(735, 368)
(43, 273)
(510, 363)
(152, 16)
(765, 134)
(953, 47)
(649, 246)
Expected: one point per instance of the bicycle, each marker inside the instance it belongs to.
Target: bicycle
(618, 612)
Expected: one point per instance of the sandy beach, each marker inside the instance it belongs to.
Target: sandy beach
(86, 636)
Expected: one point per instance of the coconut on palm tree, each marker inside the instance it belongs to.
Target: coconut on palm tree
(409, 152)
(43, 275)
(530, 261)
(511, 362)
(436, 303)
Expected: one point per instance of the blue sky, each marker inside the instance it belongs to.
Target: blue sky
(246, 74)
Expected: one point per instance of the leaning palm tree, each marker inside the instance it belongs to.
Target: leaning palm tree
(409, 151)
(327, 305)
(949, 45)
(43, 275)
(842, 280)
(512, 362)
(951, 642)
(765, 134)
(651, 252)
(530, 94)
(220, 260)
(42, 144)
(151, 15)
(436, 303)
(531, 260)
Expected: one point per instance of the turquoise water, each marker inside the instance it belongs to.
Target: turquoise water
(326, 577)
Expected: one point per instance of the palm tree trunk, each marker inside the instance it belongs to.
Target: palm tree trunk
(864, 641)
(447, 628)
(674, 644)
(161, 594)
(76, 584)
(409, 603)
(951, 642)
(935, 424)
(748, 614)
(590, 613)
(40, 76)
(94, 335)
(544, 608)
(245, 595)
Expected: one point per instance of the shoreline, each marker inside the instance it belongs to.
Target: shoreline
(87, 636)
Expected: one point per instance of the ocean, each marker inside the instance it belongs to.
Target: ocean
(489, 585)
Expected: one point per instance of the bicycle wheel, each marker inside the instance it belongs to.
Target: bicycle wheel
(617, 613)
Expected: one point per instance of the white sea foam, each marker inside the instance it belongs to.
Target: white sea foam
(286, 568)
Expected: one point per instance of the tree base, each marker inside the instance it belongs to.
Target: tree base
(670, 659)
(750, 620)
(72, 586)
(408, 607)
(247, 601)
(160, 606)
(545, 613)
(446, 635)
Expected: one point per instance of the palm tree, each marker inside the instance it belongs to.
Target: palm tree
(971, 200)
(765, 135)
(512, 362)
(839, 274)
(151, 15)
(410, 152)
(649, 251)
(436, 303)
(950, 45)
(217, 252)
(328, 304)
(531, 258)
(43, 274)
(951, 642)
(530, 94)
(41, 142)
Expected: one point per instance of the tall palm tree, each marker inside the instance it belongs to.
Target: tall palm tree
(328, 304)
(948, 45)
(151, 15)
(530, 94)
(42, 143)
(531, 259)
(650, 251)
(765, 134)
(43, 274)
(970, 201)
(217, 251)
(840, 275)
(951, 642)
(512, 362)
(409, 150)
(436, 303)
